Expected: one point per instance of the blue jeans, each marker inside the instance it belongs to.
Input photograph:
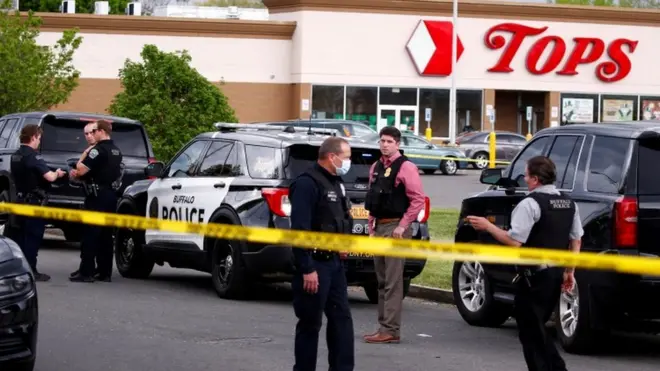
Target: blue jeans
(331, 299)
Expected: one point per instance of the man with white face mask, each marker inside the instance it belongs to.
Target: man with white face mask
(319, 203)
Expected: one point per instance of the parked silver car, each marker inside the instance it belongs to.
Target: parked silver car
(476, 146)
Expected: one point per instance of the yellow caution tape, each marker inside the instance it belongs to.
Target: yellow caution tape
(352, 243)
(461, 159)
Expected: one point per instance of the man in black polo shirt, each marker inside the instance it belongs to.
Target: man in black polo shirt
(319, 203)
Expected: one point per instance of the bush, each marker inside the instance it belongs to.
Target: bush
(172, 99)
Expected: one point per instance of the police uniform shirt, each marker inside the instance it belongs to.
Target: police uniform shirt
(26, 163)
(100, 156)
(304, 194)
(528, 212)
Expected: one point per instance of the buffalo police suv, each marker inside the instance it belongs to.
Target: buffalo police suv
(240, 175)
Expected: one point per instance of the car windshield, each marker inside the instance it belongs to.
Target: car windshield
(67, 136)
(301, 157)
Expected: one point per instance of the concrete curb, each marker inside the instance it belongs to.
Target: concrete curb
(431, 293)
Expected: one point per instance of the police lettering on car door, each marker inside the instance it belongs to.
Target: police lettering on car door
(183, 209)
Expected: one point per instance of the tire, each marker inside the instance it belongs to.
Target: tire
(572, 322)
(480, 156)
(449, 167)
(130, 258)
(475, 303)
(228, 272)
(371, 290)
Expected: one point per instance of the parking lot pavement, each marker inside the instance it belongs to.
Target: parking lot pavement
(448, 191)
(174, 321)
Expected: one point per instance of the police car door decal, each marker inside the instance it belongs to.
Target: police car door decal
(195, 202)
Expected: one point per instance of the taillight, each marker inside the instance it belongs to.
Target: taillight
(625, 222)
(277, 200)
(426, 211)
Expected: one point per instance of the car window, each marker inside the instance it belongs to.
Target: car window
(415, 142)
(608, 155)
(183, 165)
(213, 163)
(564, 154)
(6, 132)
(359, 130)
(534, 148)
(301, 157)
(648, 181)
(263, 162)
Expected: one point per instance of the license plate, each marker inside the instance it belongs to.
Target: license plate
(359, 212)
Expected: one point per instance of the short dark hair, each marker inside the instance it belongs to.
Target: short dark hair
(104, 125)
(543, 168)
(391, 131)
(28, 132)
(331, 145)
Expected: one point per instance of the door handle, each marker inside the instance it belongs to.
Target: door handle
(219, 185)
(176, 186)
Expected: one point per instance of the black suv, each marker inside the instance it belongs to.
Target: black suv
(62, 144)
(610, 171)
(240, 175)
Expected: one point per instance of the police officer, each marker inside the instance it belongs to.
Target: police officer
(319, 203)
(98, 171)
(31, 177)
(545, 218)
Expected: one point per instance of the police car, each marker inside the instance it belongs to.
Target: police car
(240, 175)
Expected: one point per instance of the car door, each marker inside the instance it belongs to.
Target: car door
(163, 193)
(516, 143)
(418, 147)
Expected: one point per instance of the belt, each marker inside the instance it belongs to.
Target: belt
(323, 255)
(387, 220)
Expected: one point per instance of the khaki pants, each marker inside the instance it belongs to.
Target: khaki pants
(389, 273)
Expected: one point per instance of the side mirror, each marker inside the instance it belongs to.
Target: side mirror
(491, 176)
(154, 169)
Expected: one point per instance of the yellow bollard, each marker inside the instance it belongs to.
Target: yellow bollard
(428, 134)
(492, 149)
(528, 136)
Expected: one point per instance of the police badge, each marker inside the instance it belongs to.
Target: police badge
(387, 172)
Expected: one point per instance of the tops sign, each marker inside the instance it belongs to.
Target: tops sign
(584, 51)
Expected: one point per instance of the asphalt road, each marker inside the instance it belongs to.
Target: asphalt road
(174, 321)
(448, 191)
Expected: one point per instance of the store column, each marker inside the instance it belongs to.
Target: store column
(489, 101)
(301, 101)
(551, 109)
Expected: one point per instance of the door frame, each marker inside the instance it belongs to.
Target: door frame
(397, 114)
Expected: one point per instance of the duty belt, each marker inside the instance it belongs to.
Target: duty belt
(322, 255)
(94, 188)
(37, 197)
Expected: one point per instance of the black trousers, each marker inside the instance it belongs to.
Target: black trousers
(30, 237)
(534, 303)
(96, 245)
(331, 299)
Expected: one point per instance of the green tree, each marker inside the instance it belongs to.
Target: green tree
(649, 4)
(32, 76)
(82, 6)
(172, 99)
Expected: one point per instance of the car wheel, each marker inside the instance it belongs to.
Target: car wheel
(130, 258)
(481, 160)
(474, 297)
(572, 322)
(448, 167)
(371, 290)
(228, 271)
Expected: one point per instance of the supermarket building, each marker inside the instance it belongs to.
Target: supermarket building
(385, 61)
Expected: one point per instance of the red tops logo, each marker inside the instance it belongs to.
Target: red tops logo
(617, 68)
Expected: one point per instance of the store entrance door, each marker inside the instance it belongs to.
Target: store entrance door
(402, 117)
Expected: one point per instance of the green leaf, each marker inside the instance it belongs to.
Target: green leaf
(172, 99)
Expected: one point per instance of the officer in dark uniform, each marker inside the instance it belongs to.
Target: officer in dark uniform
(31, 177)
(98, 171)
(545, 218)
(319, 203)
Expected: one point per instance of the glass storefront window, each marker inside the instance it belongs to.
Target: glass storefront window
(468, 110)
(649, 108)
(615, 108)
(327, 102)
(362, 104)
(398, 96)
(468, 106)
(578, 108)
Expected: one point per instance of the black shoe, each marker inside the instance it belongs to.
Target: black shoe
(73, 274)
(80, 278)
(102, 277)
(41, 277)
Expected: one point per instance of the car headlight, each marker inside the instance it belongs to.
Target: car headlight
(15, 286)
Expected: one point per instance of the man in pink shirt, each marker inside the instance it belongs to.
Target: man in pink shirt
(394, 201)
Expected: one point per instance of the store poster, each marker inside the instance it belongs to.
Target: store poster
(577, 110)
(651, 110)
(617, 110)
